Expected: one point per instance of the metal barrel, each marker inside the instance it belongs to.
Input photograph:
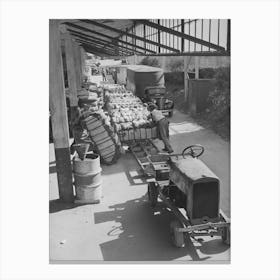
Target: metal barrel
(88, 181)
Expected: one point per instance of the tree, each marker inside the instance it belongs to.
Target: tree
(176, 65)
(151, 61)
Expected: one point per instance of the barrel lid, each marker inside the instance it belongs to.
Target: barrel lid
(90, 157)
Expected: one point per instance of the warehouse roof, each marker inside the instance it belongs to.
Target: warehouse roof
(124, 37)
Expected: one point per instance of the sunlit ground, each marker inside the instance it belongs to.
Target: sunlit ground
(183, 127)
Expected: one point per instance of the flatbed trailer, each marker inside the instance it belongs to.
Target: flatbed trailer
(159, 167)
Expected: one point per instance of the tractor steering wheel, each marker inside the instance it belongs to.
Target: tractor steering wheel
(194, 150)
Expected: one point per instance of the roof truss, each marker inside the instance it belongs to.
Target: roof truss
(81, 28)
(121, 32)
(104, 42)
(111, 38)
(181, 34)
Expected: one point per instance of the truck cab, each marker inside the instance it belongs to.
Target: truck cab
(157, 95)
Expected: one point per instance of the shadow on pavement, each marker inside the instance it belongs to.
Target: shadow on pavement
(125, 163)
(215, 246)
(137, 177)
(143, 233)
(57, 205)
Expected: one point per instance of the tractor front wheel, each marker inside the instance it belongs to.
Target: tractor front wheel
(177, 237)
(153, 193)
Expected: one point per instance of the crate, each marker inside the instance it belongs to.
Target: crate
(137, 134)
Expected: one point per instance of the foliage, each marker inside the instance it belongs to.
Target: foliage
(219, 98)
(150, 61)
(176, 65)
(176, 74)
(174, 78)
(207, 73)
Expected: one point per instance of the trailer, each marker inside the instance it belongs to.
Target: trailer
(140, 77)
(187, 187)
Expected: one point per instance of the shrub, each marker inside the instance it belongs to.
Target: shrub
(176, 65)
(150, 61)
(174, 78)
(207, 73)
(219, 98)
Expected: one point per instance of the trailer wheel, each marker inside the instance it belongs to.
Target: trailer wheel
(226, 235)
(177, 237)
(152, 193)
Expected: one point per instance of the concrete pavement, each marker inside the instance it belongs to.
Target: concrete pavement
(123, 227)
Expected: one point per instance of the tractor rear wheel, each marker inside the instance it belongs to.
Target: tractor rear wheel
(226, 235)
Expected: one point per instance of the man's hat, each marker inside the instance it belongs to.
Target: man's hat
(152, 106)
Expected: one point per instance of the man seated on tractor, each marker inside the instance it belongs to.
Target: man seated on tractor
(162, 125)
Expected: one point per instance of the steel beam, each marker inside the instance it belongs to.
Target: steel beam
(100, 48)
(96, 45)
(128, 34)
(144, 31)
(98, 40)
(183, 32)
(83, 35)
(158, 36)
(205, 53)
(102, 35)
(228, 35)
(128, 29)
(107, 45)
(111, 52)
(180, 34)
(91, 40)
(87, 45)
(93, 51)
(101, 42)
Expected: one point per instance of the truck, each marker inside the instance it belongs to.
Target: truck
(148, 84)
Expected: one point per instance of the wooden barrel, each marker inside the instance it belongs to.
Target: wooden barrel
(87, 175)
